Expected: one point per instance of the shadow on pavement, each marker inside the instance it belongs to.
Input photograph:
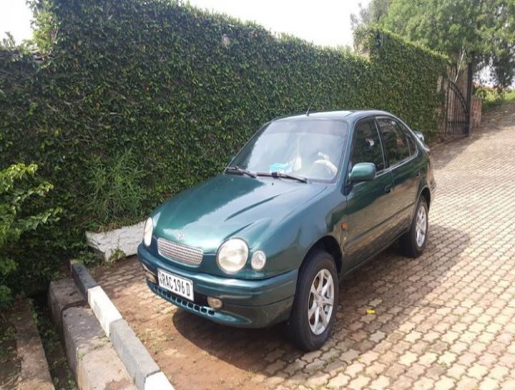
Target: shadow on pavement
(394, 286)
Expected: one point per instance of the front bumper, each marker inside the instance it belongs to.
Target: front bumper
(246, 303)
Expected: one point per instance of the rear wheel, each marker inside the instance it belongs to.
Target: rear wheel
(414, 241)
(315, 302)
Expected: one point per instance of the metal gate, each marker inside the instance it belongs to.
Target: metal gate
(458, 106)
(458, 116)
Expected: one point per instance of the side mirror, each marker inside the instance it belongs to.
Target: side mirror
(362, 172)
(419, 135)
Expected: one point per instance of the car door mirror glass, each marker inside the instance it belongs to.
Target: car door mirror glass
(362, 172)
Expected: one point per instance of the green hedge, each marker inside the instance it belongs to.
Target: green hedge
(173, 92)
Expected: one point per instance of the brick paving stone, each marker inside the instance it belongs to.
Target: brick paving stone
(368, 357)
(375, 369)
(443, 320)
(456, 371)
(508, 385)
(467, 359)
(508, 360)
(477, 371)
(395, 370)
(447, 358)
(489, 384)
(318, 380)
(408, 358)
(466, 383)
(382, 382)
(445, 383)
(339, 381)
(419, 347)
(498, 373)
(424, 384)
(403, 382)
(435, 372)
(359, 383)
(415, 371)
(349, 356)
(428, 358)
(354, 369)
(334, 368)
(316, 366)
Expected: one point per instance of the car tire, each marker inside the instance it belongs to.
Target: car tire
(314, 310)
(414, 240)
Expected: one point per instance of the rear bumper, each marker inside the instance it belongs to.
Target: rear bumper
(246, 303)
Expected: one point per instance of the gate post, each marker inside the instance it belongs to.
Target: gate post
(469, 96)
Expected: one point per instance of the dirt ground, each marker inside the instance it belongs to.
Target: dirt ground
(10, 365)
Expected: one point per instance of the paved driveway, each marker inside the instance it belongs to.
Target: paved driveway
(445, 320)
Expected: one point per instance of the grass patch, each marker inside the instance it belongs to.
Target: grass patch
(491, 99)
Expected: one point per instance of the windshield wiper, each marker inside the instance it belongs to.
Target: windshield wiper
(235, 168)
(283, 176)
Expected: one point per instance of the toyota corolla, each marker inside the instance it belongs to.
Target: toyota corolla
(307, 200)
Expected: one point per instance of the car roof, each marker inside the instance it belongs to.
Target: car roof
(347, 115)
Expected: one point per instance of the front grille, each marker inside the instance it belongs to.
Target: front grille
(179, 252)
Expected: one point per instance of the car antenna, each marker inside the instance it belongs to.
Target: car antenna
(313, 101)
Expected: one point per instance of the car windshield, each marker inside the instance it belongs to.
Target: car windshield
(307, 148)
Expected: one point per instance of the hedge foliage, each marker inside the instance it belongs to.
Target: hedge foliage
(174, 92)
(17, 187)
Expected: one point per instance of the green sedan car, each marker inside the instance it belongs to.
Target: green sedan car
(307, 200)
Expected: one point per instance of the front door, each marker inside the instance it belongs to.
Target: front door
(368, 203)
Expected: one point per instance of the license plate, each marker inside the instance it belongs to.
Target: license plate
(176, 284)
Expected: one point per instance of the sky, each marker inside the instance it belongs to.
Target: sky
(323, 22)
(15, 17)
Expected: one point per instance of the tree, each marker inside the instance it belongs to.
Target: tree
(480, 31)
(502, 68)
(371, 14)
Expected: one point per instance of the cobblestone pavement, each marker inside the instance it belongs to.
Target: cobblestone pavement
(445, 320)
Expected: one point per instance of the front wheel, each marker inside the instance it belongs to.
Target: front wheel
(414, 240)
(315, 303)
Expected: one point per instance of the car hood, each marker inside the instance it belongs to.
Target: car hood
(230, 206)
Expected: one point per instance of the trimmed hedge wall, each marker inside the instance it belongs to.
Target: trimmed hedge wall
(173, 92)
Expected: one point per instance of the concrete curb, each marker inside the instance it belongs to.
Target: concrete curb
(92, 358)
(34, 366)
(138, 362)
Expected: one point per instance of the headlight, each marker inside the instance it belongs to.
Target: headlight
(147, 231)
(232, 255)
(258, 260)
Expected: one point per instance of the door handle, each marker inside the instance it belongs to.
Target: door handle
(388, 189)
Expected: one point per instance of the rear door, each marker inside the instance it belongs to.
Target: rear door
(368, 203)
(400, 152)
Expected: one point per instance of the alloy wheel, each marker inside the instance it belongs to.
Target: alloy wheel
(421, 226)
(321, 301)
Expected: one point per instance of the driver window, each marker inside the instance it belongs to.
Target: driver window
(367, 145)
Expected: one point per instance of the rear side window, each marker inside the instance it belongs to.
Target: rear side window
(411, 140)
(395, 140)
(367, 145)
